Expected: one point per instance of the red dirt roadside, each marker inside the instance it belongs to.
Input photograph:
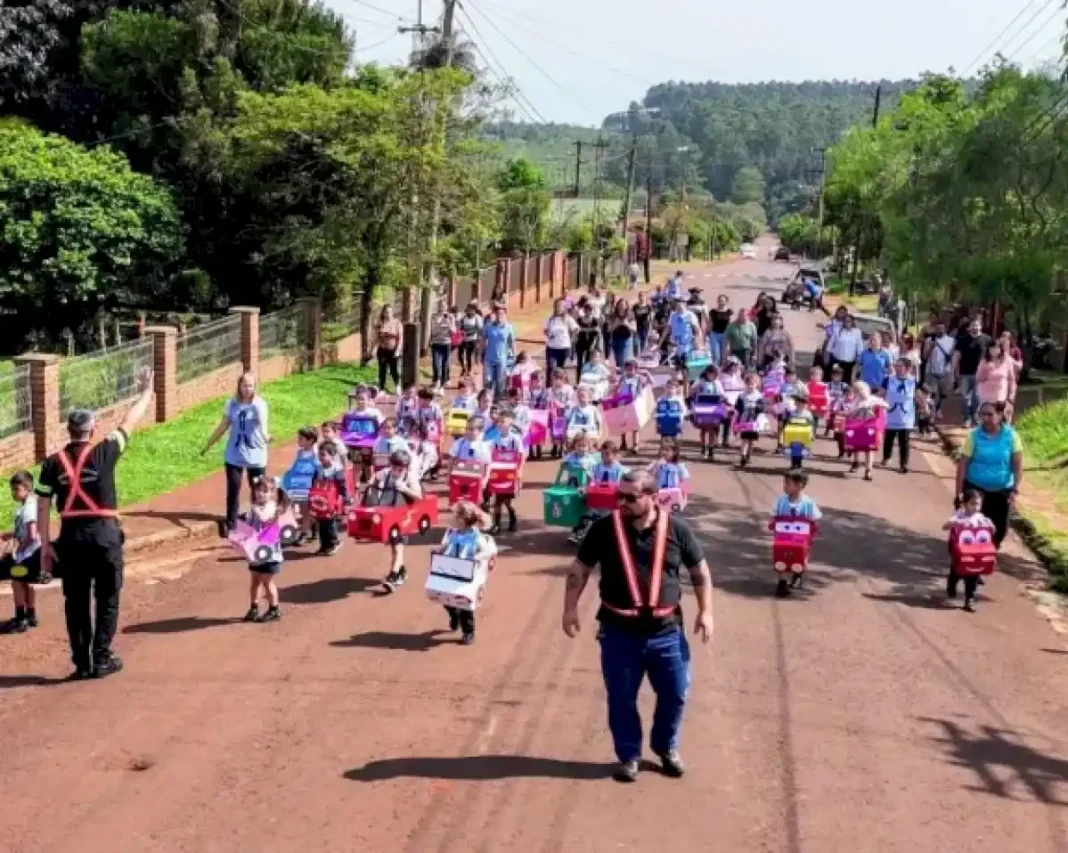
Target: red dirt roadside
(862, 714)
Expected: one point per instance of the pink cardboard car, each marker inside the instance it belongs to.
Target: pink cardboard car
(258, 547)
(624, 414)
(674, 498)
(539, 427)
(864, 434)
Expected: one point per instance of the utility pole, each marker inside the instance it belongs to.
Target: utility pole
(630, 190)
(598, 159)
(823, 171)
(578, 168)
(649, 220)
(860, 225)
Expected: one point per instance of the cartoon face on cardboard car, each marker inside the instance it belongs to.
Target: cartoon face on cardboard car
(504, 473)
(791, 543)
(973, 550)
(465, 481)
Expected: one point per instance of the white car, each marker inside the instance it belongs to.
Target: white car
(748, 252)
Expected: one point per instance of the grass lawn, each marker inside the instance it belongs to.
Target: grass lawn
(1043, 504)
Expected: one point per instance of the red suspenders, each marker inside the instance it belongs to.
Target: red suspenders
(73, 469)
(656, 569)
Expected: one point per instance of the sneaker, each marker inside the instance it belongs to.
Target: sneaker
(854, 468)
(81, 673)
(904, 469)
(333, 549)
(272, 615)
(253, 614)
(468, 638)
(867, 476)
(108, 666)
(31, 620)
(575, 538)
(969, 605)
(795, 580)
(627, 771)
(495, 529)
(671, 763)
(15, 626)
(782, 588)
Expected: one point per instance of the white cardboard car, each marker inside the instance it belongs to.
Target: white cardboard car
(748, 252)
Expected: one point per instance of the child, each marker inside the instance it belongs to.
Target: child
(407, 403)
(669, 472)
(923, 412)
(484, 406)
(361, 405)
(784, 404)
(22, 548)
(865, 406)
(471, 445)
(969, 515)
(509, 439)
(708, 385)
(425, 458)
(596, 369)
(307, 463)
(839, 407)
(632, 383)
(466, 541)
(267, 504)
(900, 396)
(524, 366)
(583, 416)
(793, 502)
(330, 470)
(817, 390)
(538, 396)
(561, 397)
(800, 415)
(520, 410)
(428, 413)
(670, 410)
(733, 387)
(579, 460)
(395, 486)
(466, 400)
(750, 408)
(836, 390)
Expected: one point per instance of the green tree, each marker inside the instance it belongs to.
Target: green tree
(524, 206)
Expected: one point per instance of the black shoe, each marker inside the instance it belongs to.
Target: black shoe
(224, 528)
(495, 529)
(867, 476)
(333, 549)
(31, 620)
(904, 469)
(272, 615)
(627, 771)
(468, 638)
(854, 467)
(15, 626)
(951, 588)
(81, 673)
(513, 522)
(454, 621)
(106, 667)
(671, 763)
(782, 589)
(980, 581)
(969, 605)
(253, 614)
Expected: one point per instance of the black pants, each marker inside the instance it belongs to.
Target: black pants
(582, 355)
(467, 355)
(903, 436)
(555, 358)
(847, 370)
(466, 617)
(996, 508)
(328, 534)
(439, 362)
(388, 362)
(233, 489)
(971, 584)
(92, 572)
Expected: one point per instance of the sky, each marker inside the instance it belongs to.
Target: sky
(576, 61)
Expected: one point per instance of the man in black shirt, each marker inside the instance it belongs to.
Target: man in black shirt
(970, 349)
(640, 549)
(81, 480)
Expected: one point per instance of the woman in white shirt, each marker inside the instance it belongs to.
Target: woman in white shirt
(558, 331)
(845, 347)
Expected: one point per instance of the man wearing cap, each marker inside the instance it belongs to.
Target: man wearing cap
(640, 548)
(81, 480)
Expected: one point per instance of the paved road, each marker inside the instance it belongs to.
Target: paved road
(860, 715)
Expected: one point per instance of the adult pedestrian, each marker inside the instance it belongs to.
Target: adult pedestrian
(686, 335)
(499, 348)
(995, 380)
(765, 312)
(875, 363)
(673, 290)
(640, 549)
(971, 345)
(622, 329)
(643, 319)
(606, 323)
(927, 333)
(740, 338)
(588, 337)
(991, 462)
(560, 330)
(776, 340)
(244, 422)
(80, 478)
(388, 334)
(939, 354)
(823, 356)
(442, 326)
(900, 413)
(718, 320)
(470, 333)
(845, 347)
(633, 272)
(1012, 351)
(596, 300)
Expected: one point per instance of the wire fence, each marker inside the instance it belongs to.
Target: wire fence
(16, 401)
(208, 347)
(283, 332)
(341, 321)
(102, 379)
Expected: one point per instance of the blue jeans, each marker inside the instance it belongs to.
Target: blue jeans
(715, 347)
(643, 337)
(495, 374)
(626, 658)
(971, 398)
(439, 362)
(622, 351)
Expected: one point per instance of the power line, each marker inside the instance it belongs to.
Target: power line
(533, 62)
(1030, 20)
(997, 38)
(379, 9)
(372, 46)
(1045, 23)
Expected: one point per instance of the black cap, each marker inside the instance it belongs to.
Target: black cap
(80, 420)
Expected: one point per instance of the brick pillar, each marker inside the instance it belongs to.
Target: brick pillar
(250, 336)
(313, 330)
(44, 398)
(165, 365)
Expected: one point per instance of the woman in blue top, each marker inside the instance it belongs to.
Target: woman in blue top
(245, 419)
(991, 462)
(900, 413)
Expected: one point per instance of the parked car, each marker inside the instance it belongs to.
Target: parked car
(782, 254)
(748, 252)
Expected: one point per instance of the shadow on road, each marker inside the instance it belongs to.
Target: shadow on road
(396, 641)
(479, 768)
(1006, 766)
(325, 590)
(178, 625)
(10, 682)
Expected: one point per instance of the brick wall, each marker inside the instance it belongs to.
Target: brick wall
(16, 450)
(217, 383)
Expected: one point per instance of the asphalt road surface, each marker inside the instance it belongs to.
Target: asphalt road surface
(861, 714)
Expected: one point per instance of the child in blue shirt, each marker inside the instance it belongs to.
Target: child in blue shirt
(607, 470)
(668, 471)
(794, 503)
(467, 542)
(511, 440)
(330, 470)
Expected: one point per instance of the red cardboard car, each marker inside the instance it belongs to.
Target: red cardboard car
(390, 523)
